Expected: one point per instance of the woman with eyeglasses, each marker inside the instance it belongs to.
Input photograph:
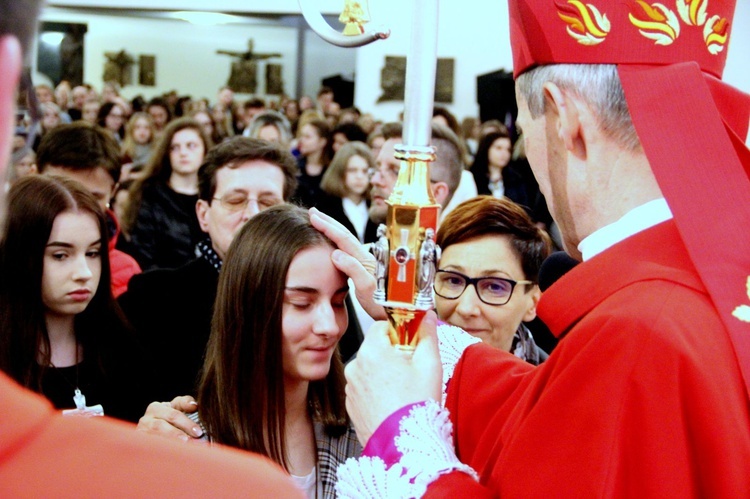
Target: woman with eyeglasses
(486, 282)
(112, 118)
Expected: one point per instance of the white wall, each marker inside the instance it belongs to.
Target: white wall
(737, 71)
(475, 33)
(186, 58)
(323, 60)
(472, 32)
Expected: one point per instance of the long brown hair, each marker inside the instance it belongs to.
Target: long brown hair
(241, 393)
(33, 205)
(128, 143)
(159, 167)
(334, 178)
(323, 130)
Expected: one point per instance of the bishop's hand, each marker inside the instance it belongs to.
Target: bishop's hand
(383, 378)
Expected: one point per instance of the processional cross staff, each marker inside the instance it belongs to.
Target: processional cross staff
(412, 210)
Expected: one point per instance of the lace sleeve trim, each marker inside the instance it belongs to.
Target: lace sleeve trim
(426, 445)
(452, 341)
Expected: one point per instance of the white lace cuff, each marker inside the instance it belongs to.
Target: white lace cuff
(452, 341)
(425, 443)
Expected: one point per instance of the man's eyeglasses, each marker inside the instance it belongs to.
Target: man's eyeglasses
(387, 169)
(491, 290)
(236, 201)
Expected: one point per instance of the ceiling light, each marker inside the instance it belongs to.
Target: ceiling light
(52, 37)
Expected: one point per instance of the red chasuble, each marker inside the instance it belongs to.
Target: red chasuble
(643, 396)
(43, 454)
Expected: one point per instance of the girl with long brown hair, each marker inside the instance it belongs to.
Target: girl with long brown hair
(273, 380)
(61, 332)
(161, 218)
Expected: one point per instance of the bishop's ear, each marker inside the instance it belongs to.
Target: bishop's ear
(566, 113)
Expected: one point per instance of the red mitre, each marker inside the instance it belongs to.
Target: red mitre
(692, 126)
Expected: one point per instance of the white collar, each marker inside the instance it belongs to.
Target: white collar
(636, 220)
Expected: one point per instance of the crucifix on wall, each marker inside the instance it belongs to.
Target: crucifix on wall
(243, 78)
(118, 67)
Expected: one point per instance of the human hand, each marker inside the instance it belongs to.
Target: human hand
(168, 419)
(353, 259)
(383, 379)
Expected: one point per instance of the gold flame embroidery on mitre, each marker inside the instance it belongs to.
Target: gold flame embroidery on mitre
(716, 33)
(692, 12)
(743, 311)
(660, 23)
(584, 22)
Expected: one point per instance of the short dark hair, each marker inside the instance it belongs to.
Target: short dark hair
(449, 164)
(237, 150)
(449, 118)
(79, 146)
(351, 131)
(254, 103)
(104, 111)
(160, 102)
(487, 215)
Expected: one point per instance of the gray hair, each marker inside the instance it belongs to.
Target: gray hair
(597, 84)
(272, 118)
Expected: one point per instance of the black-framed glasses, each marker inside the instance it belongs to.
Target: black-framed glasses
(238, 200)
(490, 290)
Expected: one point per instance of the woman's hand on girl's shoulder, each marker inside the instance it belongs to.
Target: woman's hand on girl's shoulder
(169, 419)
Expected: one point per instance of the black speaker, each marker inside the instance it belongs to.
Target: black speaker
(496, 97)
(343, 90)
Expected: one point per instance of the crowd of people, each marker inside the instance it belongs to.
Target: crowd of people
(175, 182)
(313, 130)
(202, 269)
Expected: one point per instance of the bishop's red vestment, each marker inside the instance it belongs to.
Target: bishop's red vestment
(643, 396)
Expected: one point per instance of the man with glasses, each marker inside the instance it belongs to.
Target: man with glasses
(45, 454)
(171, 309)
(445, 171)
